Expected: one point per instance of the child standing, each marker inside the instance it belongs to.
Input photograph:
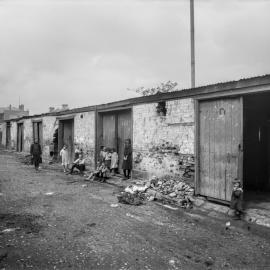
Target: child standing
(237, 198)
(127, 160)
(101, 154)
(114, 162)
(108, 158)
(64, 157)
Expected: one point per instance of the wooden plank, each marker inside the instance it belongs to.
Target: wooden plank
(204, 147)
(211, 182)
(109, 129)
(197, 147)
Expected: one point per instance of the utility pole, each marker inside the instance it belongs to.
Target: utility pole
(192, 45)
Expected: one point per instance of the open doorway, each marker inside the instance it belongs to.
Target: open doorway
(115, 128)
(66, 136)
(256, 142)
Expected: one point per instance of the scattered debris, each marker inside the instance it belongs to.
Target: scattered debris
(49, 193)
(209, 261)
(170, 207)
(134, 199)
(84, 185)
(228, 224)
(135, 188)
(9, 230)
(114, 205)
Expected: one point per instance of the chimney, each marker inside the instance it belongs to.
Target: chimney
(51, 109)
(21, 107)
(64, 106)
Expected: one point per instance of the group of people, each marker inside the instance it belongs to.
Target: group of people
(78, 163)
(107, 164)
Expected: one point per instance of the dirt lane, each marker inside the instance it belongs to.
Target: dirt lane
(76, 228)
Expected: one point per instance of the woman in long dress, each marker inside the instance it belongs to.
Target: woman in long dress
(127, 160)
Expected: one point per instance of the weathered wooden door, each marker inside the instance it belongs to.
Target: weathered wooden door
(124, 128)
(220, 146)
(109, 130)
(66, 136)
(37, 132)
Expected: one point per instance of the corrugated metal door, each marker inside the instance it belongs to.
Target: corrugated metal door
(124, 127)
(220, 140)
(109, 129)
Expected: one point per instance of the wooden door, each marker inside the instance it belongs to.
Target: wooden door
(68, 137)
(220, 144)
(124, 128)
(109, 130)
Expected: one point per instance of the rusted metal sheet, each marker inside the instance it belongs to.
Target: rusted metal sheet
(220, 140)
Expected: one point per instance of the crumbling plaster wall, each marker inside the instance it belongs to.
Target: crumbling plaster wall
(13, 135)
(84, 135)
(28, 134)
(4, 132)
(49, 125)
(163, 144)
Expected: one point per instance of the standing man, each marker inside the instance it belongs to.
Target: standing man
(36, 153)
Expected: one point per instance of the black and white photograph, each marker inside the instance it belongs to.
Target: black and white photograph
(135, 134)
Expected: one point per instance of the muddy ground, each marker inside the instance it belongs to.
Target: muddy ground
(75, 227)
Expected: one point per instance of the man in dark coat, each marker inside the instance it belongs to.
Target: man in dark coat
(35, 151)
(127, 161)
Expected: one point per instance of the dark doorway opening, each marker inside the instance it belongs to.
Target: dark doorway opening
(55, 143)
(20, 137)
(37, 132)
(66, 136)
(256, 142)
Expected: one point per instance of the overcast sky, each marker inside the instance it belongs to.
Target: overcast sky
(89, 52)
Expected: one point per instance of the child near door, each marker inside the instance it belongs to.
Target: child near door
(114, 162)
(237, 198)
(64, 156)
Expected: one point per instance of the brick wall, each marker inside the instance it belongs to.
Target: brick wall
(84, 135)
(49, 125)
(163, 144)
(3, 129)
(28, 135)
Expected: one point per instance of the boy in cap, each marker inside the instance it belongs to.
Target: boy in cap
(237, 198)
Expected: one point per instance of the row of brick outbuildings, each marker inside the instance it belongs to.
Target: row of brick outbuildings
(209, 125)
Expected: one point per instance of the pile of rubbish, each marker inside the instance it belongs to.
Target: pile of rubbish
(131, 197)
(165, 188)
(176, 189)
